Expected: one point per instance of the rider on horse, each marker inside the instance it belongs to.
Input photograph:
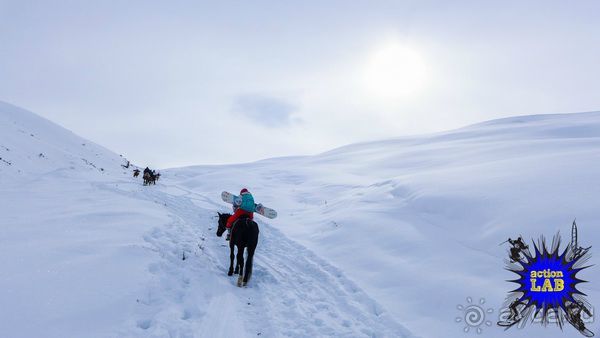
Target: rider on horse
(245, 209)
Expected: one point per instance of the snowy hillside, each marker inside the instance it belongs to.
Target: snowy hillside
(32, 146)
(87, 251)
(72, 249)
(372, 239)
(416, 221)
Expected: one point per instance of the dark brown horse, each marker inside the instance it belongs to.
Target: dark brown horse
(244, 234)
(149, 178)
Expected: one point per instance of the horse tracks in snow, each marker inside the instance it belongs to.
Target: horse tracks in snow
(292, 292)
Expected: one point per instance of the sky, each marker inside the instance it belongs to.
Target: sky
(176, 83)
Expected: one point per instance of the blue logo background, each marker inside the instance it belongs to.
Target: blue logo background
(542, 261)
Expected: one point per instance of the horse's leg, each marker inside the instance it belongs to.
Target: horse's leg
(240, 259)
(249, 264)
(231, 256)
(237, 262)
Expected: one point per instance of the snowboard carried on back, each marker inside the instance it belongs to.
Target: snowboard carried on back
(258, 208)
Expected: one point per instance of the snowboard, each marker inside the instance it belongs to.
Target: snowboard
(237, 200)
(587, 333)
(506, 323)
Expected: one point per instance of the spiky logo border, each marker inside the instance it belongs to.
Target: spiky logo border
(548, 282)
(552, 261)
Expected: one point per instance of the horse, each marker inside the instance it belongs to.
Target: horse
(149, 178)
(136, 173)
(244, 234)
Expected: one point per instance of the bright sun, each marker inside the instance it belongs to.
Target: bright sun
(395, 71)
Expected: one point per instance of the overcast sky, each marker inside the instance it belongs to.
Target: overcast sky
(173, 83)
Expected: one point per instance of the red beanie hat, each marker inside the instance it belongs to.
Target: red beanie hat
(243, 191)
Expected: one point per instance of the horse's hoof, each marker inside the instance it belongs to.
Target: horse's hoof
(230, 273)
(240, 280)
(245, 283)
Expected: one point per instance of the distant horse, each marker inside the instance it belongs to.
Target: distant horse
(244, 234)
(149, 178)
(136, 173)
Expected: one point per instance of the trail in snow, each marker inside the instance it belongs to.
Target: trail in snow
(292, 291)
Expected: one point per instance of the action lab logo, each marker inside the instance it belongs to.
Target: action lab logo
(547, 283)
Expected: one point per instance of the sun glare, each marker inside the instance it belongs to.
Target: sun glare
(395, 71)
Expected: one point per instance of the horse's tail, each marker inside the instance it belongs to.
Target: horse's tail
(252, 238)
(252, 233)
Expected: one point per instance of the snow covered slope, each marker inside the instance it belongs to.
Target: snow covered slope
(72, 250)
(87, 251)
(416, 221)
(370, 238)
(32, 146)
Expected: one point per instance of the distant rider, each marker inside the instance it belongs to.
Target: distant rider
(244, 208)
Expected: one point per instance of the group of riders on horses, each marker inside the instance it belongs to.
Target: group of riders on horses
(149, 176)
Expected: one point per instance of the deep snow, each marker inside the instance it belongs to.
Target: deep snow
(370, 238)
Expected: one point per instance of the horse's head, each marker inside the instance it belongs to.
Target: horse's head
(222, 223)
